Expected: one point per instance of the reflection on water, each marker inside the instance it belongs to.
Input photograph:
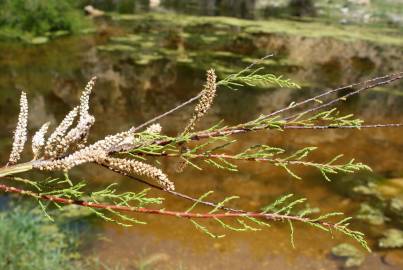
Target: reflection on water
(236, 8)
(129, 93)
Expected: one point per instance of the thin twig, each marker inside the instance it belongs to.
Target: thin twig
(394, 125)
(189, 101)
(239, 130)
(368, 85)
(135, 129)
(177, 194)
(329, 92)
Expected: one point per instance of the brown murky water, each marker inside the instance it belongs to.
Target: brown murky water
(127, 94)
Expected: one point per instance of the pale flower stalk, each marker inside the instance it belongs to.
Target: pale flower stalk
(78, 136)
(154, 128)
(85, 98)
(130, 166)
(91, 153)
(57, 158)
(20, 134)
(205, 101)
(38, 140)
(56, 137)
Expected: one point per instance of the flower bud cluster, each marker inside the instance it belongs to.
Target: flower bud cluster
(130, 166)
(154, 128)
(53, 146)
(85, 155)
(78, 135)
(56, 157)
(85, 97)
(205, 101)
(91, 153)
(20, 134)
(38, 140)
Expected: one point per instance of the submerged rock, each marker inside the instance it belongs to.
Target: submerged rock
(392, 187)
(116, 48)
(352, 256)
(396, 206)
(372, 215)
(393, 238)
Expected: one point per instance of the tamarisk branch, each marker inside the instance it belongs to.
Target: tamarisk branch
(126, 153)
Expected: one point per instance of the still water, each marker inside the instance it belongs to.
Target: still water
(128, 93)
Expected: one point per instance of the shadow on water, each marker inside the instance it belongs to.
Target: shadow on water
(133, 88)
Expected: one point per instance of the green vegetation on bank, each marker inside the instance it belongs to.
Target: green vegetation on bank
(35, 21)
(29, 241)
(228, 43)
(315, 29)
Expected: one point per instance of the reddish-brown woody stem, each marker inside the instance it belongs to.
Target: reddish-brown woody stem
(270, 216)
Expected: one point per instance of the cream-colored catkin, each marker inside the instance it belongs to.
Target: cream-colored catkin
(83, 156)
(97, 152)
(38, 140)
(77, 137)
(154, 128)
(205, 101)
(130, 166)
(124, 166)
(88, 154)
(85, 97)
(20, 134)
(56, 137)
